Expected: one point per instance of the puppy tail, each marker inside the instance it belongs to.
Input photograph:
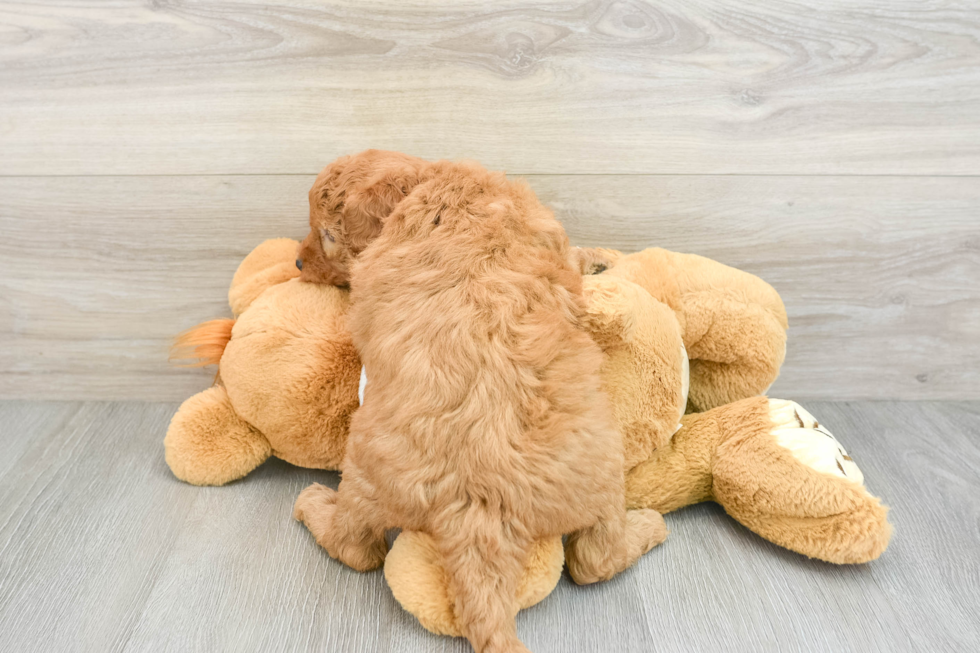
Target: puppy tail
(484, 559)
(203, 344)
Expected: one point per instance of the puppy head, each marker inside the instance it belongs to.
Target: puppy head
(349, 202)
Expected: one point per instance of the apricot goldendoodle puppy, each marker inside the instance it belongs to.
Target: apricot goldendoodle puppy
(483, 423)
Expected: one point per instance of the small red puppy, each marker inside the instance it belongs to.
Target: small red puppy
(353, 196)
(349, 201)
(483, 423)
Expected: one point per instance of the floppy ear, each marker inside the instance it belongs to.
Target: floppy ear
(368, 206)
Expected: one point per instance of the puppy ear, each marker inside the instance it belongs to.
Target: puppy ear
(367, 207)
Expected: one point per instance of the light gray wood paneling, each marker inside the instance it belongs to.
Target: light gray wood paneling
(102, 550)
(880, 275)
(670, 86)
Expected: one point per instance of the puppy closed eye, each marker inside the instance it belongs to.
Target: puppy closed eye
(327, 241)
(438, 219)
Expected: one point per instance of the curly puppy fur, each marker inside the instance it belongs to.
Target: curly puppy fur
(350, 201)
(483, 422)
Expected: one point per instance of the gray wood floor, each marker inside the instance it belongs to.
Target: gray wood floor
(101, 549)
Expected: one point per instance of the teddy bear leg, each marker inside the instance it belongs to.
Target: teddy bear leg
(678, 473)
(207, 443)
(775, 469)
(417, 577)
(784, 476)
(613, 544)
(346, 522)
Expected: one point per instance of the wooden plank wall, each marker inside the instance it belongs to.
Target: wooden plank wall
(831, 147)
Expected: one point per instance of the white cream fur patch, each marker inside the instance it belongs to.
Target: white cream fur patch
(685, 385)
(362, 385)
(810, 442)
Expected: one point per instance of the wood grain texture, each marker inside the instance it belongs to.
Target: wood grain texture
(620, 86)
(880, 275)
(102, 550)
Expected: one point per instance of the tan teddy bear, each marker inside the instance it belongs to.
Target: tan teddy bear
(288, 376)
(681, 334)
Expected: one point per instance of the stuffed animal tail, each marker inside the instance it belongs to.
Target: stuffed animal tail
(202, 345)
(484, 559)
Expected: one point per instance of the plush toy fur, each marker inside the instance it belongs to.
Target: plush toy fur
(288, 376)
(776, 470)
(288, 381)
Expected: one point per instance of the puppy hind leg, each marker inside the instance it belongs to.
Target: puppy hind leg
(613, 544)
(348, 522)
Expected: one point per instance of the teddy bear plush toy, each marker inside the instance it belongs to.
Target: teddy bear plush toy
(690, 346)
(287, 379)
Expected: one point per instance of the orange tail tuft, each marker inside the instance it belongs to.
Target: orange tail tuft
(204, 344)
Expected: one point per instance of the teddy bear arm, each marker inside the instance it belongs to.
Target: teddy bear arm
(734, 328)
(644, 370)
(733, 323)
(207, 442)
(272, 262)
(736, 347)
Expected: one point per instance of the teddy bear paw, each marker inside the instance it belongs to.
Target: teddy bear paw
(810, 442)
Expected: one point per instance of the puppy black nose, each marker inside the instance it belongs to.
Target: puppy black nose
(299, 264)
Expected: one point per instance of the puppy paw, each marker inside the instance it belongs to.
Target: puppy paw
(314, 507)
(645, 529)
